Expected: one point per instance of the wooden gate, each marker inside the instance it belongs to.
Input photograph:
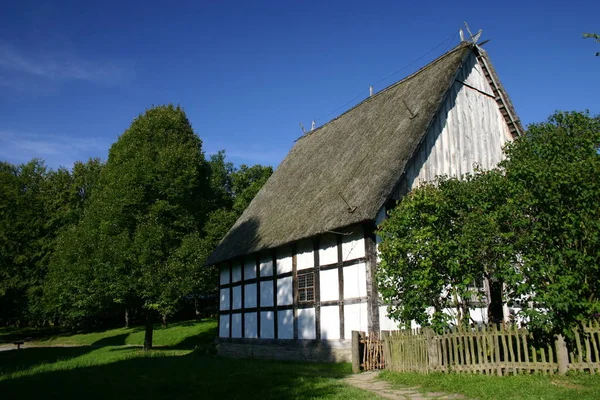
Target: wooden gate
(367, 352)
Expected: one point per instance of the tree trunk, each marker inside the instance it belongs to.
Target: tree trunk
(126, 318)
(164, 320)
(196, 309)
(149, 331)
(495, 307)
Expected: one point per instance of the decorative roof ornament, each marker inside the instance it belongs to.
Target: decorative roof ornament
(472, 38)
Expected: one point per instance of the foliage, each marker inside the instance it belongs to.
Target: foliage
(437, 246)
(531, 228)
(594, 36)
(554, 188)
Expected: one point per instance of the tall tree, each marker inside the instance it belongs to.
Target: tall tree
(594, 36)
(153, 201)
(554, 190)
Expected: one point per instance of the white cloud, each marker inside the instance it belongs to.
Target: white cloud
(56, 150)
(17, 65)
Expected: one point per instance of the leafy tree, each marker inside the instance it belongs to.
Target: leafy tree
(153, 201)
(594, 36)
(438, 245)
(552, 174)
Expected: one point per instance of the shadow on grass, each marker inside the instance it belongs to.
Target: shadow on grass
(190, 376)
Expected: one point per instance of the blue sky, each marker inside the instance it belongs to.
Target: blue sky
(74, 74)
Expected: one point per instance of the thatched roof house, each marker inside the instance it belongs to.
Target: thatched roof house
(304, 248)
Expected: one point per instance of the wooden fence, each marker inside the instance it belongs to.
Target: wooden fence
(492, 349)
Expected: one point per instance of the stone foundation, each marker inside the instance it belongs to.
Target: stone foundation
(293, 350)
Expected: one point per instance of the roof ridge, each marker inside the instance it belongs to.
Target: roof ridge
(389, 87)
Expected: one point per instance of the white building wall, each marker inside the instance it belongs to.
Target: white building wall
(250, 325)
(284, 260)
(469, 130)
(224, 299)
(250, 296)
(306, 323)
(224, 274)
(355, 281)
(236, 325)
(305, 258)
(353, 245)
(330, 322)
(236, 272)
(266, 294)
(355, 319)
(249, 268)
(285, 324)
(224, 326)
(328, 253)
(266, 265)
(285, 294)
(267, 325)
(330, 289)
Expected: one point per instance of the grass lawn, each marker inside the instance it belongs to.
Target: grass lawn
(482, 387)
(184, 368)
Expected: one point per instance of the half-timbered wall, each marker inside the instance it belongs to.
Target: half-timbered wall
(312, 289)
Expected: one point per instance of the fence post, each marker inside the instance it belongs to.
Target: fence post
(432, 350)
(356, 352)
(562, 355)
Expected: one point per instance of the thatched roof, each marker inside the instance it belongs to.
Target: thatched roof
(359, 156)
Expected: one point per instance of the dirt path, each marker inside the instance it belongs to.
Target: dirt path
(368, 381)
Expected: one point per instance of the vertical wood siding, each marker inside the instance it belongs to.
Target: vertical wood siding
(468, 131)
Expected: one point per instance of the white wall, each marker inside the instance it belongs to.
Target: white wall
(224, 326)
(224, 274)
(328, 249)
(236, 272)
(469, 129)
(250, 296)
(306, 323)
(266, 294)
(267, 325)
(236, 325)
(285, 295)
(355, 319)
(285, 324)
(284, 260)
(266, 265)
(224, 299)
(249, 267)
(304, 255)
(329, 285)
(330, 322)
(237, 298)
(353, 246)
(355, 281)
(250, 325)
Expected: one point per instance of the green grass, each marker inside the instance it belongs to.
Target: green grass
(483, 387)
(183, 369)
(182, 334)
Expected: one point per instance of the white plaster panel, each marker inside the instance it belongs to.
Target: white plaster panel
(285, 294)
(479, 314)
(355, 319)
(328, 250)
(385, 322)
(267, 325)
(285, 324)
(250, 325)
(266, 294)
(236, 273)
(355, 281)
(330, 322)
(304, 255)
(237, 298)
(284, 260)
(250, 296)
(224, 299)
(266, 265)
(236, 325)
(224, 274)
(353, 246)
(330, 288)
(224, 326)
(249, 267)
(306, 323)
